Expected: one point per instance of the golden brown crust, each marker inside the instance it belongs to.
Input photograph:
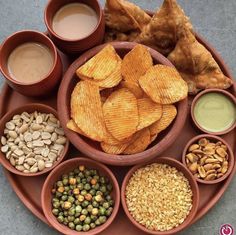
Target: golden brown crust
(161, 32)
(196, 64)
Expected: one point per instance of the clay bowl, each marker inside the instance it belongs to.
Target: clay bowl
(45, 85)
(91, 148)
(83, 44)
(223, 92)
(30, 108)
(214, 139)
(180, 167)
(65, 168)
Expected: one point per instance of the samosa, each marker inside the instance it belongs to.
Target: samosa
(196, 64)
(124, 16)
(161, 32)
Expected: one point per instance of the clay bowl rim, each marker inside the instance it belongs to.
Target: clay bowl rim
(230, 152)
(51, 31)
(53, 49)
(195, 100)
(77, 160)
(192, 181)
(36, 106)
(97, 154)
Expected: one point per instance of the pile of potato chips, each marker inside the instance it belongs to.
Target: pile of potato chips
(124, 104)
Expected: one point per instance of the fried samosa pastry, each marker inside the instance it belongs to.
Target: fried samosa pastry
(161, 32)
(124, 16)
(196, 64)
(114, 35)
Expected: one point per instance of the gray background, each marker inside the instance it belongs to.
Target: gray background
(214, 19)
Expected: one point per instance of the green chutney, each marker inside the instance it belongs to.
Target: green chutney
(215, 112)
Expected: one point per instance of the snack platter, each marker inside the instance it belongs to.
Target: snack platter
(176, 135)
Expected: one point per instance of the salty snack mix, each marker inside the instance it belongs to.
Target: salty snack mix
(82, 199)
(124, 104)
(159, 197)
(33, 141)
(171, 33)
(207, 160)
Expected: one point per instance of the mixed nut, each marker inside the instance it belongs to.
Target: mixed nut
(82, 199)
(33, 142)
(207, 160)
(159, 197)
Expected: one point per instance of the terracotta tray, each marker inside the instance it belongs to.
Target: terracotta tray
(209, 194)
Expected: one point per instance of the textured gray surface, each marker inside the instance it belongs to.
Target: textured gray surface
(214, 19)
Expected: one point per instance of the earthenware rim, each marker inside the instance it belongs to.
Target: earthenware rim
(225, 93)
(217, 138)
(48, 25)
(180, 167)
(8, 116)
(53, 49)
(48, 214)
(99, 155)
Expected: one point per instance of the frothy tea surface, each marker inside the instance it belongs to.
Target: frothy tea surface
(30, 62)
(74, 21)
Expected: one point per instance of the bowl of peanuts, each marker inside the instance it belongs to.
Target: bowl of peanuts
(209, 158)
(32, 140)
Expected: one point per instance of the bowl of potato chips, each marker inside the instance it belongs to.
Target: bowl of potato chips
(122, 103)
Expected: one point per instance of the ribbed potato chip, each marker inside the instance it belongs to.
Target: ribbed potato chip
(121, 114)
(141, 141)
(72, 126)
(153, 138)
(133, 87)
(149, 112)
(86, 110)
(169, 113)
(100, 66)
(164, 85)
(110, 81)
(136, 63)
(114, 149)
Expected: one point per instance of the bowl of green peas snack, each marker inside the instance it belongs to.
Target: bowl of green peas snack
(80, 195)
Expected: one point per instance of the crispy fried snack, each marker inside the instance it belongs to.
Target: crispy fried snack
(114, 149)
(112, 35)
(133, 87)
(121, 114)
(136, 63)
(72, 126)
(164, 85)
(169, 113)
(125, 16)
(161, 32)
(196, 64)
(100, 66)
(104, 69)
(86, 110)
(149, 112)
(140, 142)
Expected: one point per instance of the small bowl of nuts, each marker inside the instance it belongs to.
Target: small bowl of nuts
(80, 195)
(209, 158)
(32, 140)
(161, 197)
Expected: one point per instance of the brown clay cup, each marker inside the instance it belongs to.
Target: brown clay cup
(30, 108)
(75, 46)
(64, 168)
(223, 92)
(45, 85)
(213, 139)
(91, 148)
(193, 184)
